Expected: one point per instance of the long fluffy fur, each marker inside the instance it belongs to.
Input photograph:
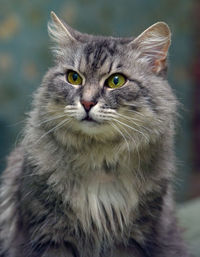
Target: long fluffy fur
(75, 188)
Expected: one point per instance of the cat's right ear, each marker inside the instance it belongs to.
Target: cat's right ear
(59, 32)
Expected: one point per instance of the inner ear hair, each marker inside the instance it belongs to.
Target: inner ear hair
(59, 31)
(153, 45)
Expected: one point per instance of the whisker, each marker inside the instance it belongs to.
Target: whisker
(132, 120)
(70, 110)
(52, 119)
(70, 107)
(138, 113)
(18, 123)
(19, 138)
(136, 148)
(116, 128)
(50, 108)
(127, 117)
(108, 115)
(126, 125)
(53, 129)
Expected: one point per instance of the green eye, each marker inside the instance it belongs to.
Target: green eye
(116, 80)
(74, 78)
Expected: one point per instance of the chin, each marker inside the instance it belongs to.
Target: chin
(93, 128)
(81, 131)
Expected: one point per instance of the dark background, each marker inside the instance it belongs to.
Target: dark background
(25, 56)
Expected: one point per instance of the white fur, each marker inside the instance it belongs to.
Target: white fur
(107, 201)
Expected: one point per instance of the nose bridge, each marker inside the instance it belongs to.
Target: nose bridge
(90, 93)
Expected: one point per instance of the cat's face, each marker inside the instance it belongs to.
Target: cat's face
(104, 86)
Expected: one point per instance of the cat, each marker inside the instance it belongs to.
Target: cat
(93, 174)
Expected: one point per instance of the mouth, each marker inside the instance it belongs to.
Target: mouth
(91, 126)
(89, 119)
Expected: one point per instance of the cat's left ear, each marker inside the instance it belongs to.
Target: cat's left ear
(153, 45)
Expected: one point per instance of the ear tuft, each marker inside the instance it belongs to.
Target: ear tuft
(154, 43)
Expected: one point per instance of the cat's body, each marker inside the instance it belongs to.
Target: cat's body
(92, 177)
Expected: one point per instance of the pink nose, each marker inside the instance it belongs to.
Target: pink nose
(87, 104)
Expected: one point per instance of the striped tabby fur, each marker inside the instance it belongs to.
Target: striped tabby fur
(96, 183)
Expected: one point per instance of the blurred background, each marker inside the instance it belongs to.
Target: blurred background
(25, 56)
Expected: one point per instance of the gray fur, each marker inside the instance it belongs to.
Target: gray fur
(96, 189)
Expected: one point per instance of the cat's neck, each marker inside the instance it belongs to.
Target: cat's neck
(75, 152)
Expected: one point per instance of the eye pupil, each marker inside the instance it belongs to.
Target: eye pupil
(75, 76)
(116, 80)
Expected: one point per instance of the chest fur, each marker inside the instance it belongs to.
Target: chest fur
(105, 202)
(99, 186)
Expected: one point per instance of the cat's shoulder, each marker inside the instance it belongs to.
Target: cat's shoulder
(15, 163)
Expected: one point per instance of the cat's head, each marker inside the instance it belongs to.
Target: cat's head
(106, 87)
